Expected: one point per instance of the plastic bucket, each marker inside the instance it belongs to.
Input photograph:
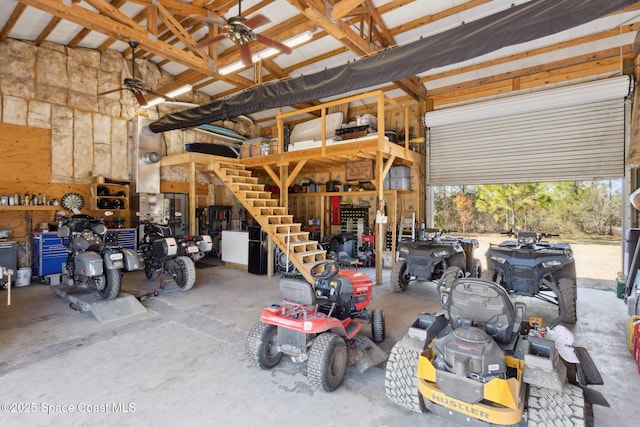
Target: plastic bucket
(23, 278)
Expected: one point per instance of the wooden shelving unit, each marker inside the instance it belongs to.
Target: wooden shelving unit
(29, 208)
(109, 197)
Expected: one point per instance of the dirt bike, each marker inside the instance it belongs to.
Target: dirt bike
(95, 257)
(176, 256)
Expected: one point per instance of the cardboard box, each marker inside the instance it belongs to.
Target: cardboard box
(245, 151)
(360, 170)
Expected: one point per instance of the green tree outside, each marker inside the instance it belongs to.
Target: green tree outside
(563, 207)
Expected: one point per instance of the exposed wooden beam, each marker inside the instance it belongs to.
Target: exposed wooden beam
(79, 37)
(112, 12)
(175, 6)
(47, 30)
(344, 7)
(385, 34)
(174, 26)
(530, 53)
(85, 31)
(119, 31)
(11, 22)
(423, 20)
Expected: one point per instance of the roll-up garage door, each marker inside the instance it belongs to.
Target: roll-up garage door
(571, 133)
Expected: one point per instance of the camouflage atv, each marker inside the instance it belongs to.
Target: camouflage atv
(430, 259)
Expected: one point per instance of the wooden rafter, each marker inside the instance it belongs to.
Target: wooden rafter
(11, 22)
(118, 30)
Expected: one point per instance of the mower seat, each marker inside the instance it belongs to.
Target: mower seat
(297, 292)
(345, 260)
(483, 304)
(336, 292)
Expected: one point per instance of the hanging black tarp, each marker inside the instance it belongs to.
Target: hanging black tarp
(518, 24)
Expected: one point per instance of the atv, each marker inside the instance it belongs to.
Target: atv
(429, 259)
(531, 267)
(320, 325)
(478, 363)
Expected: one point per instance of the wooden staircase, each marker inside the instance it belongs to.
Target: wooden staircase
(273, 218)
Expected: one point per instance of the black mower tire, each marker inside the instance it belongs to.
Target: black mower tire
(400, 380)
(185, 275)
(377, 325)
(260, 348)
(327, 362)
(546, 407)
(113, 284)
(476, 270)
(399, 280)
(567, 287)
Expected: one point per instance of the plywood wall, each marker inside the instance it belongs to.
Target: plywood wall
(26, 168)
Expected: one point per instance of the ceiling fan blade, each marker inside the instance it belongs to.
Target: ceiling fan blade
(245, 54)
(256, 21)
(158, 94)
(273, 43)
(206, 42)
(140, 98)
(210, 19)
(112, 90)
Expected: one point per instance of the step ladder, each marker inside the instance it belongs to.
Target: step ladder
(407, 228)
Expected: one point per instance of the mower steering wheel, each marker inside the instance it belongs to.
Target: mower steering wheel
(325, 270)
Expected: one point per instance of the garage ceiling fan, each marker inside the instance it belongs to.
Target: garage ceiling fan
(239, 30)
(134, 85)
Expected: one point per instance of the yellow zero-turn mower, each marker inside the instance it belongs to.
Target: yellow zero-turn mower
(478, 363)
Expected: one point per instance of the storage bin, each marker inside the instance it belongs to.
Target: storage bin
(399, 172)
(23, 277)
(400, 183)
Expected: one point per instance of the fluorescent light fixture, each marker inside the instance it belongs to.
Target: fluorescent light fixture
(172, 94)
(266, 53)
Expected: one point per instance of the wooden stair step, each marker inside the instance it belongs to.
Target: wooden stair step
(310, 256)
(275, 210)
(226, 164)
(262, 202)
(284, 228)
(236, 172)
(247, 186)
(242, 180)
(309, 245)
(257, 194)
(298, 236)
(279, 219)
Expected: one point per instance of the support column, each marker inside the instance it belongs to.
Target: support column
(380, 227)
(193, 224)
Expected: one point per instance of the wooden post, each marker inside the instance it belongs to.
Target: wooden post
(380, 227)
(193, 230)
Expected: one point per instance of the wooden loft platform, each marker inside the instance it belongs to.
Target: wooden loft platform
(284, 167)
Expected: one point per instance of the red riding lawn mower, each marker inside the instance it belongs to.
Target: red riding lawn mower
(320, 325)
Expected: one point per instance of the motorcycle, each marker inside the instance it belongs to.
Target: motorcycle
(95, 257)
(176, 256)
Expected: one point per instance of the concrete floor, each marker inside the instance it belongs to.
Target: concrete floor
(183, 362)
